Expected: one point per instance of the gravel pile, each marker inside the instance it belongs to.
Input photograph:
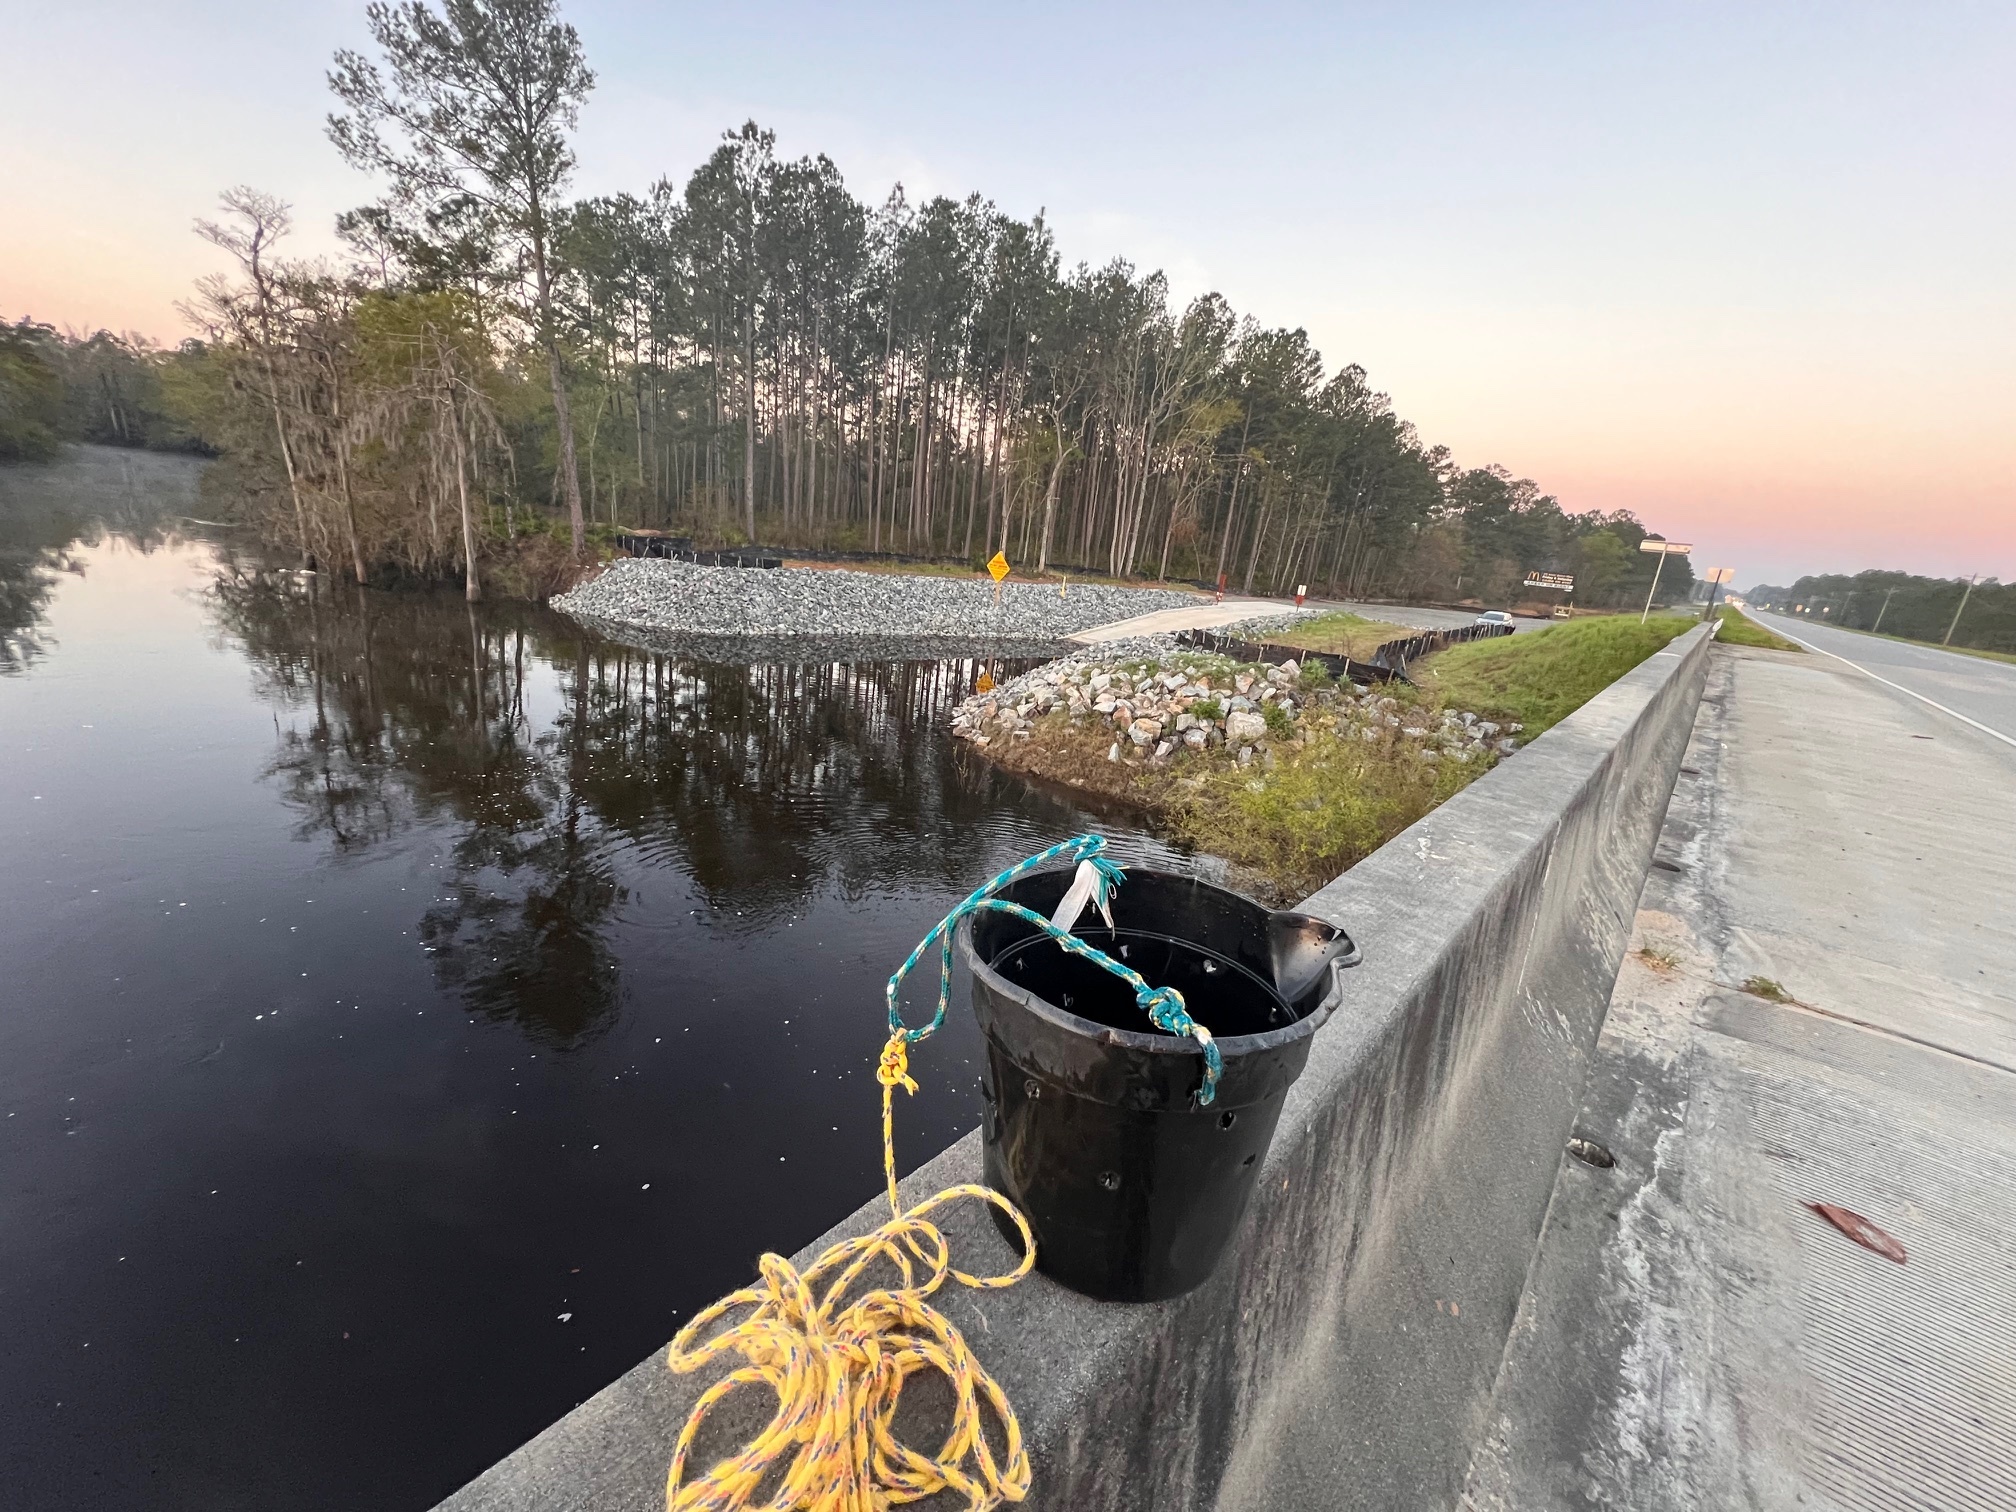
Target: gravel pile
(789, 601)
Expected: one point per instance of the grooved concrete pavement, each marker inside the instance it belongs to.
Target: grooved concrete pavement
(1691, 1334)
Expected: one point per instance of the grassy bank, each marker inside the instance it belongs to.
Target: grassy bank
(1341, 633)
(1289, 774)
(1738, 629)
(1292, 776)
(1540, 678)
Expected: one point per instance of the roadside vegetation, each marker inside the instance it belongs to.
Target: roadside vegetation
(1327, 801)
(1538, 679)
(1738, 629)
(1341, 633)
(1283, 770)
(1289, 774)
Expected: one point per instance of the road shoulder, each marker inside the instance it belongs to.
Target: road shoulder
(1692, 1334)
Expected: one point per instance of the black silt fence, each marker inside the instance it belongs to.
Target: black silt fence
(1266, 651)
(681, 549)
(1397, 654)
(1390, 661)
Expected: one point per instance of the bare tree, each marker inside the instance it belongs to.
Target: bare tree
(252, 314)
(479, 103)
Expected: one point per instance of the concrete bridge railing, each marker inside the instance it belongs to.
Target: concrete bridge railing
(1344, 1354)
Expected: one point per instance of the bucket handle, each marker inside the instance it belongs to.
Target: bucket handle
(1163, 1005)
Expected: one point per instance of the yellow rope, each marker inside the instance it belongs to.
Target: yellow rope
(838, 1371)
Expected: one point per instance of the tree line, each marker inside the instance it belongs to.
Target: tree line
(497, 374)
(104, 388)
(1978, 614)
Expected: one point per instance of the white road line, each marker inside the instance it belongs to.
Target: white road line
(1984, 729)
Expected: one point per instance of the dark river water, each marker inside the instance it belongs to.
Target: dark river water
(409, 1013)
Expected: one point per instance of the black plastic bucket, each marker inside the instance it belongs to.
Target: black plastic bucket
(1093, 1127)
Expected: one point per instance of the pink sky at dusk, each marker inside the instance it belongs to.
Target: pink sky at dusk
(1749, 272)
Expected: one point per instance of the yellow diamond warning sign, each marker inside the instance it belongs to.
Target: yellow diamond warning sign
(998, 566)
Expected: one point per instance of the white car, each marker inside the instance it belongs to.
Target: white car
(1494, 617)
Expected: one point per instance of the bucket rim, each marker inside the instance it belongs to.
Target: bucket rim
(1151, 1042)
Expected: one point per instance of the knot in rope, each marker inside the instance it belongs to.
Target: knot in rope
(894, 1069)
(1164, 1005)
(1167, 1011)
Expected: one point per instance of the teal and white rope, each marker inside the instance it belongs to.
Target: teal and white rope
(1163, 1005)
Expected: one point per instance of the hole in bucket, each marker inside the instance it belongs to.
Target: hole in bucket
(1222, 995)
(1591, 1153)
(1249, 1160)
(1032, 1089)
(1110, 1180)
(1226, 1120)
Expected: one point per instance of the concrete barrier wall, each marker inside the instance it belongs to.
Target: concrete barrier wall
(1343, 1355)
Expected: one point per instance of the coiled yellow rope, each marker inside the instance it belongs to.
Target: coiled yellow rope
(838, 1370)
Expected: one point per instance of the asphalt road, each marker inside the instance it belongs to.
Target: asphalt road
(1422, 619)
(1979, 691)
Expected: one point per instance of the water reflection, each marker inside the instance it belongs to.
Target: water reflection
(49, 509)
(387, 979)
(764, 785)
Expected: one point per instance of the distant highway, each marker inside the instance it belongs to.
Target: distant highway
(1979, 691)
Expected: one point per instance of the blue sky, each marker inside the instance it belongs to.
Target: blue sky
(1748, 270)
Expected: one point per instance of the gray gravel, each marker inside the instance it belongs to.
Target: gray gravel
(790, 601)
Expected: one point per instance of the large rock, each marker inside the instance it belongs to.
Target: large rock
(1242, 726)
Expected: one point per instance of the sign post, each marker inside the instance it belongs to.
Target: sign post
(1560, 582)
(1716, 576)
(1665, 549)
(998, 566)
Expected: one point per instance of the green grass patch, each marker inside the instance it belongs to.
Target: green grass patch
(1538, 679)
(1319, 808)
(1341, 634)
(1738, 629)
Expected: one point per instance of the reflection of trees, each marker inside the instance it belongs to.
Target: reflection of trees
(762, 784)
(47, 509)
(770, 781)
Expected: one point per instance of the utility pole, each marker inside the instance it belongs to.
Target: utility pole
(1881, 612)
(1958, 612)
